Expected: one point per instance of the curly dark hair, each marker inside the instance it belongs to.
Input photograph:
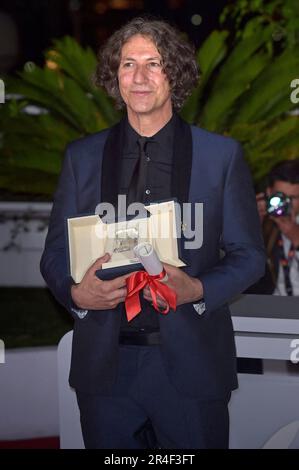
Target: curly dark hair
(178, 58)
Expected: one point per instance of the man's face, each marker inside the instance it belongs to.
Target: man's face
(143, 85)
(288, 189)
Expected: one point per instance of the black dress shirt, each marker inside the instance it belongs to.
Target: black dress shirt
(159, 163)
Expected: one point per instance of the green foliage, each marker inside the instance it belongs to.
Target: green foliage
(244, 92)
(245, 88)
(72, 107)
(282, 14)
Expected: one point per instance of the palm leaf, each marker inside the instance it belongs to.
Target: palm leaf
(219, 108)
(79, 64)
(268, 96)
(209, 56)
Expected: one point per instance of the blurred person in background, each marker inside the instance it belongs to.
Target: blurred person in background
(278, 209)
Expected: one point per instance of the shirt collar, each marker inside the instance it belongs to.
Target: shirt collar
(164, 137)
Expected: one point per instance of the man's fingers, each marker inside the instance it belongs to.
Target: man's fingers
(260, 196)
(172, 270)
(147, 297)
(119, 282)
(160, 302)
(98, 263)
(169, 266)
(125, 276)
(146, 291)
(118, 294)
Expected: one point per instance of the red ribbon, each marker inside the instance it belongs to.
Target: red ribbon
(136, 282)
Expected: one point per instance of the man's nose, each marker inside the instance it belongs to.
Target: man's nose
(140, 75)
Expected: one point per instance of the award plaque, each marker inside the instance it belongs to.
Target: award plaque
(89, 238)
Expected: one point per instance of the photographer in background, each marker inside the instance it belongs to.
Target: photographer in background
(278, 209)
(279, 213)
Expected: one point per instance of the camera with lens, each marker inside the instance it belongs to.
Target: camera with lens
(278, 204)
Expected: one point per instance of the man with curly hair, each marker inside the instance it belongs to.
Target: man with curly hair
(160, 381)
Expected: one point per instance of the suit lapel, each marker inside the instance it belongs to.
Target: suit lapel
(111, 165)
(182, 161)
(181, 173)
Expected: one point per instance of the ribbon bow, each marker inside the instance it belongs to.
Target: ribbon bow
(136, 282)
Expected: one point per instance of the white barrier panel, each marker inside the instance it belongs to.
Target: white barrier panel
(28, 394)
(69, 416)
(262, 407)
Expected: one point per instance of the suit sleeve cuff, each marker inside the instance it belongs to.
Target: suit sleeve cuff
(200, 307)
(74, 309)
(79, 312)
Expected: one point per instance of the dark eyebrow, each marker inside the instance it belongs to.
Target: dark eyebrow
(154, 58)
(150, 58)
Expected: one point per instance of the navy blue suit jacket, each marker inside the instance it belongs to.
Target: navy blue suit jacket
(198, 350)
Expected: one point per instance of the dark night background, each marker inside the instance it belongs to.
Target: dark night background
(92, 21)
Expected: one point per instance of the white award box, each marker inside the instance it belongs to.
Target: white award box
(89, 238)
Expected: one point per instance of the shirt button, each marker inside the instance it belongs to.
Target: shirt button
(148, 159)
(147, 191)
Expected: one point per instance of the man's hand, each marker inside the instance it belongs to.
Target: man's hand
(288, 226)
(94, 294)
(187, 288)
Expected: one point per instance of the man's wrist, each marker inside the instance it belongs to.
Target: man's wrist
(75, 297)
(74, 288)
(198, 290)
(75, 308)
